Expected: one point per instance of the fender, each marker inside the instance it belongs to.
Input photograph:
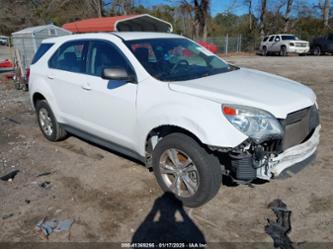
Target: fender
(205, 120)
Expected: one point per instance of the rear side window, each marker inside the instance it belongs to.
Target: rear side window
(43, 48)
(271, 38)
(71, 56)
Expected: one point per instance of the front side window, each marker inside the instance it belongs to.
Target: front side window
(104, 55)
(170, 59)
(271, 39)
(71, 57)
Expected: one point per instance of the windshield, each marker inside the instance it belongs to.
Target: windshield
(289, 37)
(170, 59)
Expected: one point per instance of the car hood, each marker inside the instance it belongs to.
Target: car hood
(248, 87)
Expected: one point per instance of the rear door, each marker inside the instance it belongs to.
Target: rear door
(329, 43)
(270, 43)
(67, 69)
(275, 47)
(109, 105)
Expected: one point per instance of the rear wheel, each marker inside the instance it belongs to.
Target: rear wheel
(48, 123)
(183, 167)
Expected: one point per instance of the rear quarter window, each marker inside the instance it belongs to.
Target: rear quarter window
(43, 48)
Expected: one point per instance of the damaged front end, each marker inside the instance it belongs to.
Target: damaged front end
(276, 157)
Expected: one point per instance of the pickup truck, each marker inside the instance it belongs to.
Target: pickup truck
(3, 40)
(322, 45)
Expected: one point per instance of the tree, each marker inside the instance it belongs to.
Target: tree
(249, 4)
(262, 17)
(201, 12)
(326, 9)
(186, 16)
(122, 7)
(286, 15)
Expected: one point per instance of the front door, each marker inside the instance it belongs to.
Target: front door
(109, 106)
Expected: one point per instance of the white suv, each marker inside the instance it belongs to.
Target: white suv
(164, 100)
(284, 44)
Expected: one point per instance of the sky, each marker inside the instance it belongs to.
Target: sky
(217, 6)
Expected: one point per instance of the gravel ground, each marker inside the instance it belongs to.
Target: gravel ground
(109, 196)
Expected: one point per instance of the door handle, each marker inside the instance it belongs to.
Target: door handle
(86, 86)
(51, 77)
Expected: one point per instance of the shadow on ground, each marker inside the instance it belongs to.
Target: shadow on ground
(167, 221)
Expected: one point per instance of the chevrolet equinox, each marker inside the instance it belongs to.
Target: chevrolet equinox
(184, 112)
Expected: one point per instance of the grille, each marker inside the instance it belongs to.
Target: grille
(298, 126)
(302, 45)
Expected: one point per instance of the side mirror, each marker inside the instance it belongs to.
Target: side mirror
(117, 74)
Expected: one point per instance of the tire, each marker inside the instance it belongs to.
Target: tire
(25, 87)
(283, 51)
(317, 51)
(264, 51)
(203, 174)
(47, 122)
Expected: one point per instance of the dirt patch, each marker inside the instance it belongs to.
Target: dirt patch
(321, 204)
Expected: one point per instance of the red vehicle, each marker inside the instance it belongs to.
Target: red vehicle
(6, 65)
(211, 47)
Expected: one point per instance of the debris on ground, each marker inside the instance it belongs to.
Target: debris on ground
(45, 227)
(45, 184)
(44, 174)
(279, 229)
(10, 176)
(12, 120)
(6, 216)
(27, 201)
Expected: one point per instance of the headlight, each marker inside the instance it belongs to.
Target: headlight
(255, 123)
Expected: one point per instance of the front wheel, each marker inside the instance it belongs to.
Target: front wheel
(317, 51)
(264, 51)
(186, 169)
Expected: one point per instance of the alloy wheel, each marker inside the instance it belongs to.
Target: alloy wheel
(45, 121)
(179, 172)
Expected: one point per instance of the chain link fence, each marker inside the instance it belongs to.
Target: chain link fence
(234, 44)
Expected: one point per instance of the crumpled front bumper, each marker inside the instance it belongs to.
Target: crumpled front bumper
(292, 156)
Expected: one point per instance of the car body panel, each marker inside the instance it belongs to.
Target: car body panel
(248, 87)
